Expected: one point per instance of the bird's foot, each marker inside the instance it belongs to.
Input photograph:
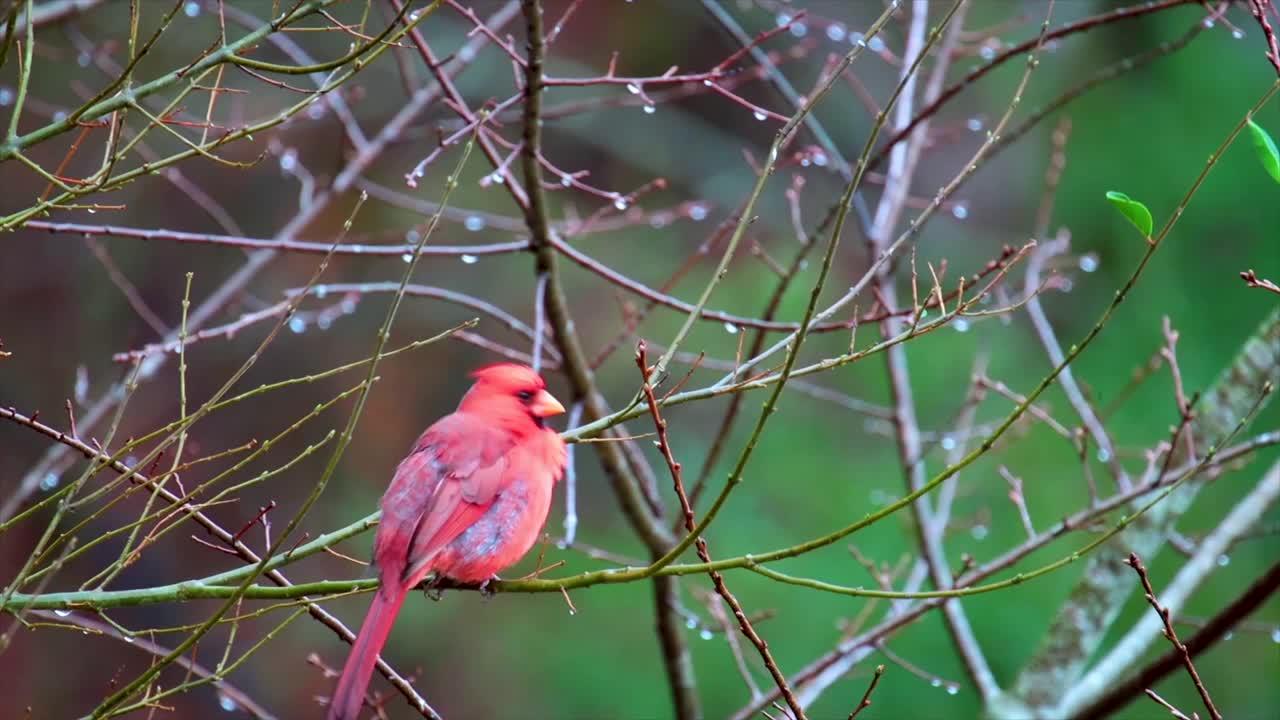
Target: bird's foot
(431, 588)
(486, 591)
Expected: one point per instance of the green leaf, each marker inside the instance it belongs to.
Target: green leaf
(1134, 211)
(1266, 147)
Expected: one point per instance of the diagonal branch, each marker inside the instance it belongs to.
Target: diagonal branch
(1165, 614)
(677, 478)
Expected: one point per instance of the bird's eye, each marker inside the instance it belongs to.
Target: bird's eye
(525, 395)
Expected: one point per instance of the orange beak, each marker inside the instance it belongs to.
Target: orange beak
(545, 405)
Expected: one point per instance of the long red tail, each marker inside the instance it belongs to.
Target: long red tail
(348, 697)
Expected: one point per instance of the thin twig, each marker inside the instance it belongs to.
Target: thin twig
(1213, 631)
(677, 478)
(1135, 562)
(866, 697)
(1252, 280)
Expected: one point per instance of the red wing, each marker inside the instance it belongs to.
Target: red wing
(439, 490)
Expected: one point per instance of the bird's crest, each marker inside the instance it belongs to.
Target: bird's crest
(509, 375)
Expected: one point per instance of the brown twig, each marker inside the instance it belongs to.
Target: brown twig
(914, 669)
(1252, 280)
(677, 478)
(1136, 563)
(1259, 10)
(1175, 712)
(866, 697)
(1170, 353)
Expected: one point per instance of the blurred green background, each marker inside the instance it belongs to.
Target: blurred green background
(820, 466)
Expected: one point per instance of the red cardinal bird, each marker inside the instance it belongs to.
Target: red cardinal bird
(468, 502)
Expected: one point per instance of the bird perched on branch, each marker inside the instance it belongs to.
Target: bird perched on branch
(468, 502)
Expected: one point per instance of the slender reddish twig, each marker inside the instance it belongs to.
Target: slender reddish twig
(1259, 9)
(744, 623)
(866, 697)
(1136, 563)
(1252, 280)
